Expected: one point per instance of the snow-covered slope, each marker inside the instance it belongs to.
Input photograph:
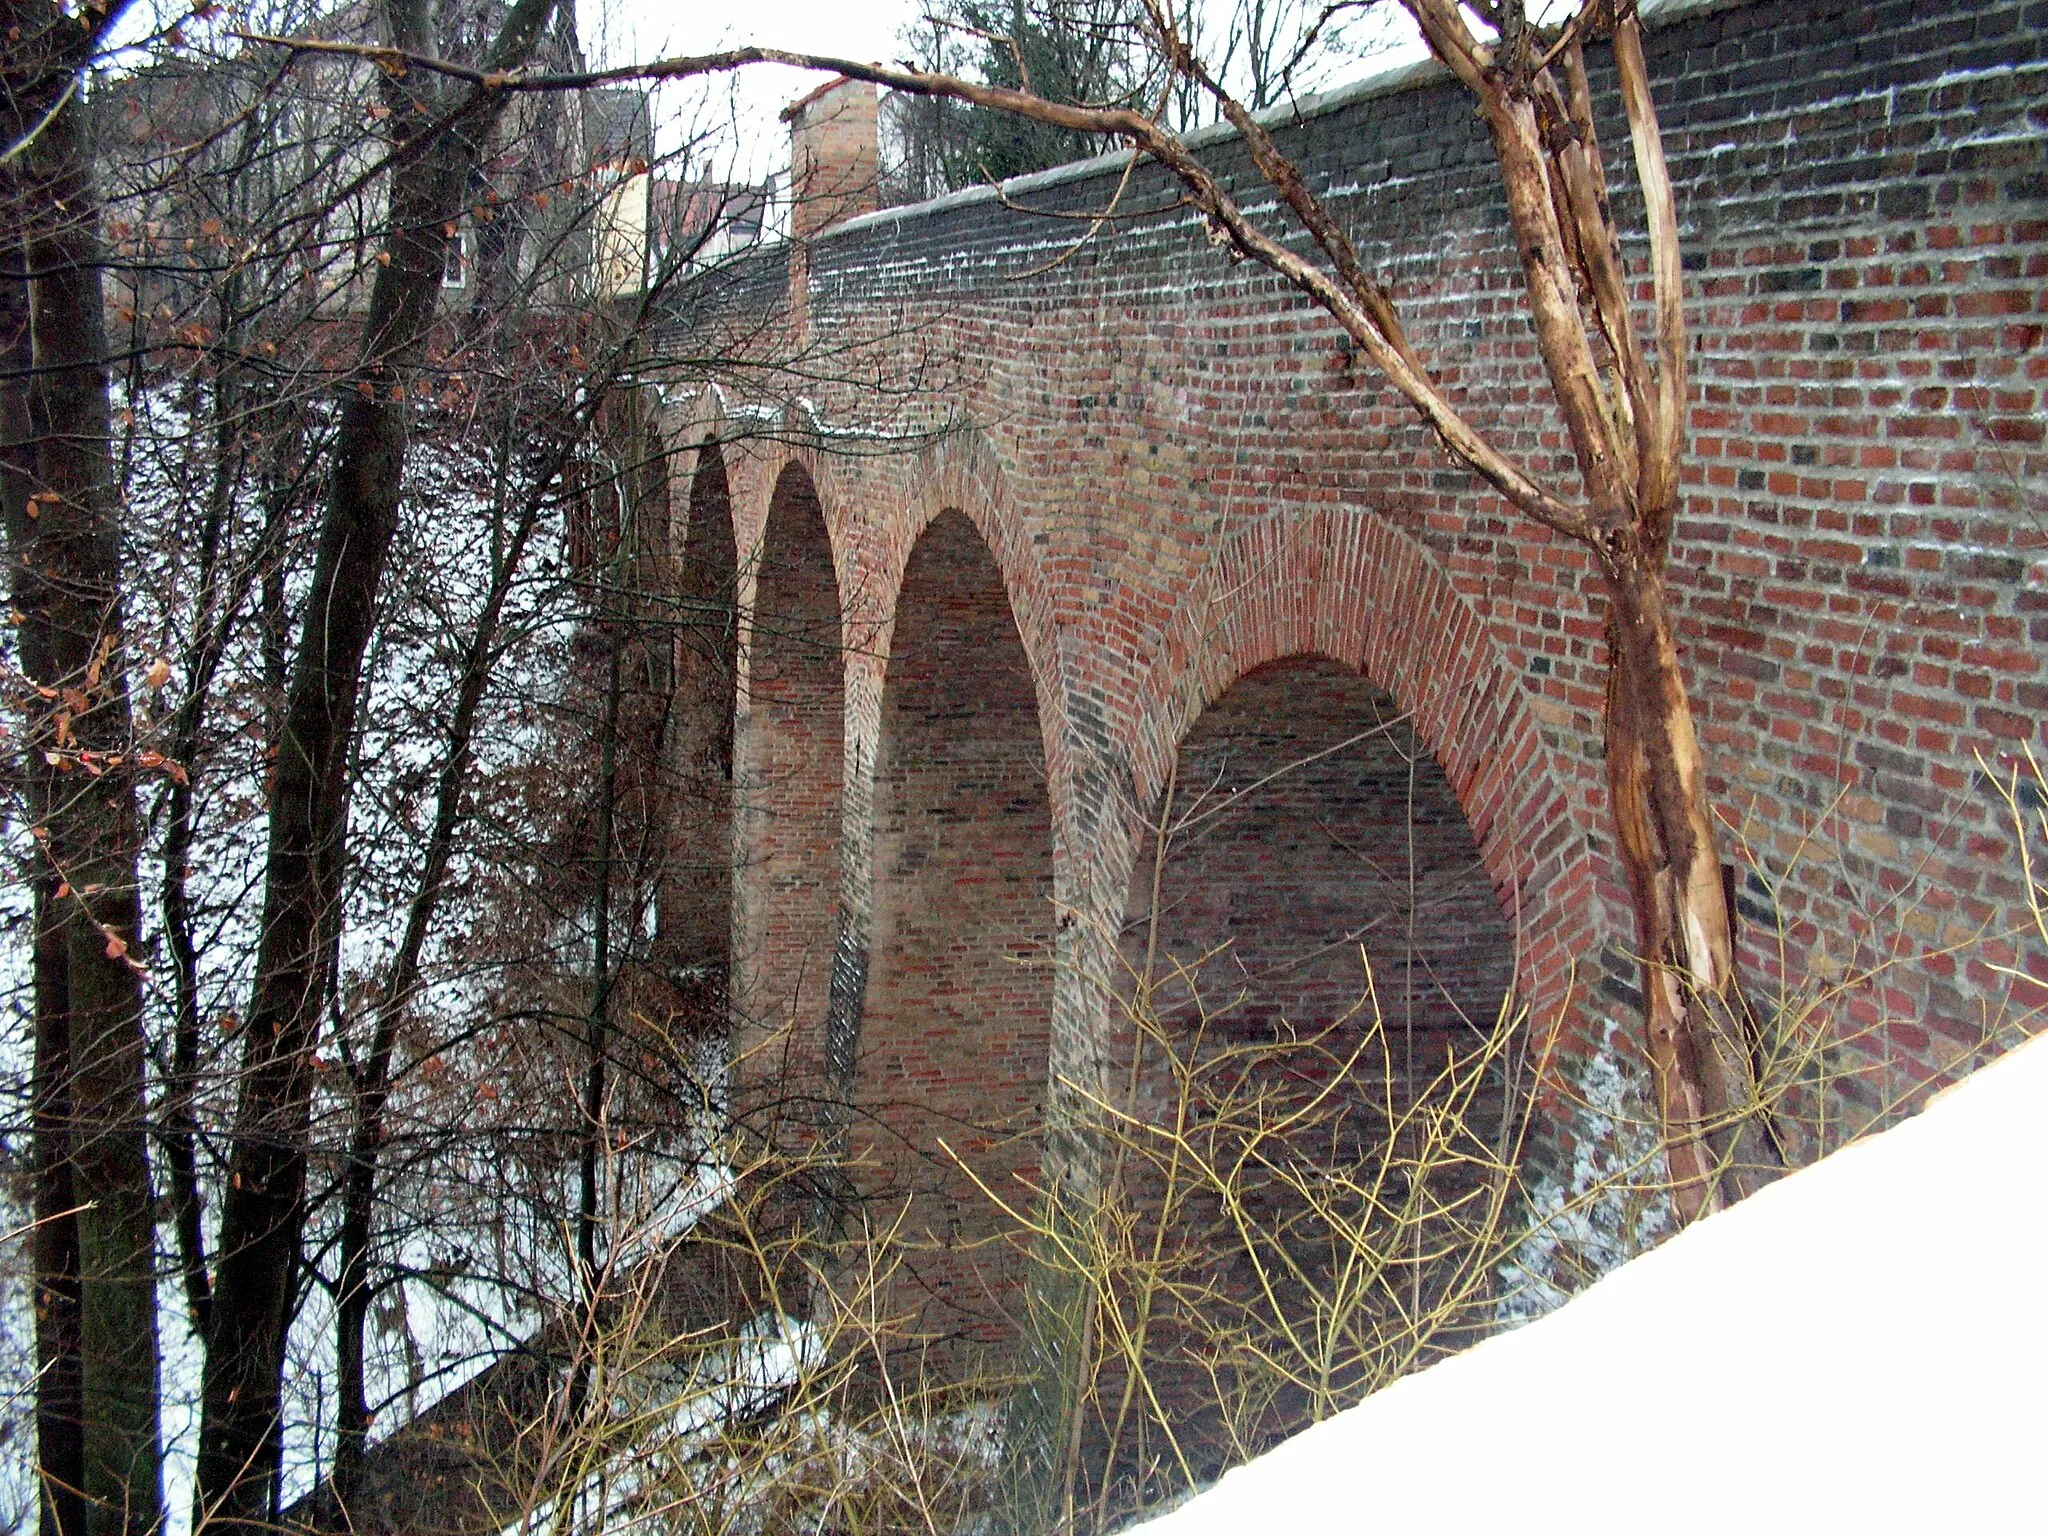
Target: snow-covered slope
(1863, 1346)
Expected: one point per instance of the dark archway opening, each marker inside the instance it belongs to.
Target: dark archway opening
(693, 927)
(953, 1048)
(1324, 942)
(1309, 823)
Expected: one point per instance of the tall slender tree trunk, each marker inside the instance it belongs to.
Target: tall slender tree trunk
(67, 561)
(60, 1422)
(597, 1028)
(210, 634)
(263, 1209)
(60, 1388)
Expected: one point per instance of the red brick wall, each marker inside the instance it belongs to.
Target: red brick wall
(1864, 586)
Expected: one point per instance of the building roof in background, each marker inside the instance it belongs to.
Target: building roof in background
(618, 125)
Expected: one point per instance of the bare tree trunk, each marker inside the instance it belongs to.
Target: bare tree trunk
(597, 1037)
(238, 405)
(68, 586)
(60, 1423)
(211, 629)
(1718, 1143)
(60, 1388)
(1627, 433)
(263, 1211)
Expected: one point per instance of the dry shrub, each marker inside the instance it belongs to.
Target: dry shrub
(1277, 1227)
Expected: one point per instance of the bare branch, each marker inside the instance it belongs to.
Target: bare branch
(1452, 41)
(1226, 219)
(1582, 179)
(41, 123)
(1660, 488)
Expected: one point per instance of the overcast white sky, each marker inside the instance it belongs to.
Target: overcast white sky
(744, 111)
(616, 31)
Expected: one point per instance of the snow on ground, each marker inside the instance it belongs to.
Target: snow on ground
(682, 1410)
(1863, 1346)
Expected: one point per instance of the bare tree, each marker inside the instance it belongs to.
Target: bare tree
(1076, 52)
(98, 1239)
(316, 288)
(440, 131)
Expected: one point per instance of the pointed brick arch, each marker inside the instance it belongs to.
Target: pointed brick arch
(954, 1033)
(1351, 587)
(963, 475)
(1313, 934)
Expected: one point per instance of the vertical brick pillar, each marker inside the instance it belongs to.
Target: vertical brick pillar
(833, 154)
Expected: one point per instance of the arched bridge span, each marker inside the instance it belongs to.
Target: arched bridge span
(1127, 475)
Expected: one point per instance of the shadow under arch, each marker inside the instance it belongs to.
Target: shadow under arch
(694, 914)
(1347, 584)
(789, 753)
(953, 1045)
(1308, 825)
(1310, 936)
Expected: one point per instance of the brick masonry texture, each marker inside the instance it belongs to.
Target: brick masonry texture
(1307, 832)
(787, 771)
(1180, 474)
(694, 921)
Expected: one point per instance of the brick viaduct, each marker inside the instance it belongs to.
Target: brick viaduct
(1172, 529)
